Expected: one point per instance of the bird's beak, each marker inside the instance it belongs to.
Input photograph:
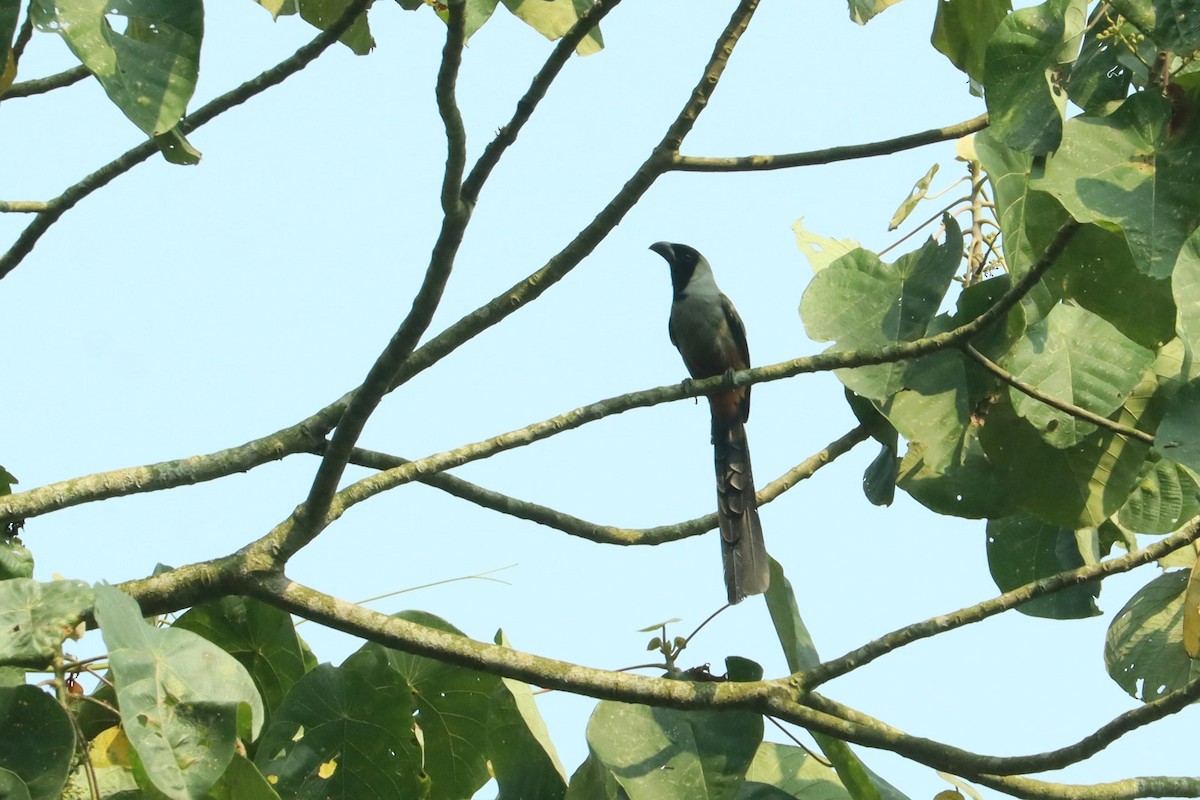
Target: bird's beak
(665, 250)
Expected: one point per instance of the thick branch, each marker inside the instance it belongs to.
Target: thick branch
(922, 630)
(23, 206)
(1128, 789)
(830, 154)
(299, 438)
(607, 534)
(456, 214)
(1062, 405)
(131, 158)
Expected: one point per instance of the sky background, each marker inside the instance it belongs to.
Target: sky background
(184, 310)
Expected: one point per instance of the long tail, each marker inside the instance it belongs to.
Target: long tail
(743, 553)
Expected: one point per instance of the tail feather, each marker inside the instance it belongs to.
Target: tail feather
(743, 553)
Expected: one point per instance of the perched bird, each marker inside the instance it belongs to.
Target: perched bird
(707, 331)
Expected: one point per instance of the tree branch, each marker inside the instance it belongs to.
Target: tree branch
(507, 135)
(275, 75)
(828, 155)
(23, 206)
(828, 670)
(46, 84)
(1063, 406)
(299, 438)
(606, 534)
(533, 286)
(1128, 789)
(304, 522)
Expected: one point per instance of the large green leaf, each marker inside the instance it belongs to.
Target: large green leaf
(553, 18)
(861, 303)
(1125, 170)
(821, 251)
(593, 781)
(149, 69)
(1096, 271)
(1144, 650)
(522, 755)
(1022, 549)
(1185, 286)
(1029, 218)
(1178, 436)
(37, 617)
(322, 14)
(1176, 26)
(1099, 80)
(184, 702)
(783, 771)
(1026, 66)
(12, 787)
(1074, 356)
(453, 705)
(1073, 487)
(37, 742)
(662, 753)
(962, 29)
(262, 638)
(1164, 498)
(344, 733)
(16, 560)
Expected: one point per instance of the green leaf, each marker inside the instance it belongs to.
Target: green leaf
(1164, 499)
(1097, 272)
(242, 781)
(794, 638)
(453, 705)
(344, 732)
(934, 410)
(16, 560)
(879, 479)
(38, 617)
(1022, 549)
(593, 781)
(662, 753)
(821, 251)
(1185, 286)
(176, 149)
(863, 303)
(1177, 26)
(1144, 649)
(149, 69)
(1074, 356)
(12, 787)
(522, 755)
(1026, 67)
(1099, 80)
(553, 18)
(966, 488)
(1124, 170)
(261, 637)
(963, 28)
(862, 11)
(1073, 487)
(1178, 436)
(321, 14)
(183, 701)
(10, 12)
(915, 196)
(478, 12)
(1029, 218)
(6, 481)
(39, 742)
(783, 771)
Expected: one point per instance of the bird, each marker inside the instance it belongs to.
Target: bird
(706, 329)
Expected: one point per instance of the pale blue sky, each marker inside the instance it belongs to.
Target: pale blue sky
(184, 310)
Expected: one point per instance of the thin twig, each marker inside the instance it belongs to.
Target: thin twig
(299, 438)
(606, 534)
(1062, 405)
(831, 154)
(858, 657)
(47, 84)
(275, 75)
